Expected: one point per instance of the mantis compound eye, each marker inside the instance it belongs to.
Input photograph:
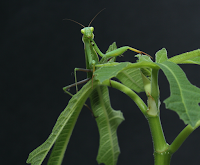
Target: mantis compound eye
(92, 29)
(82, 31)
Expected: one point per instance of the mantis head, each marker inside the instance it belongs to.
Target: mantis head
(87, 32)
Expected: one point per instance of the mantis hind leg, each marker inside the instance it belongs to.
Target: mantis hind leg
(72, 85)
(93, 70)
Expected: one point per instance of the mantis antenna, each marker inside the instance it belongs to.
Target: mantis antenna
(74, 21)
(82, 24)
(95, 17)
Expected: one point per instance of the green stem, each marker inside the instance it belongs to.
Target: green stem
(140, 103)
(159, 141)
(161, 154)
(163, 158)
(182, 136)
(155, 93)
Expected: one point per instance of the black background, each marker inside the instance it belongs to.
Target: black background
(39, 52)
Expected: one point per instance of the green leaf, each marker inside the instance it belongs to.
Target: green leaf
(146, 72)
(185, 97)
(143, 58)
(107, 120)
(131, 78)
(106, 71)
(195, 60)
(113, 59)
(186, 57)
(112, 47)
(65, 122)
(161, 55)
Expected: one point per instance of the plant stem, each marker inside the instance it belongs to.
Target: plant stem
(163, 158)
(161, 154)
(159, 142)
(153, 118)
(140, 103)
(155, 93)
(182, 136)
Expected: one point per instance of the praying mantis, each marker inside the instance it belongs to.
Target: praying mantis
(106, 117)
(99, 98)
(91, 54)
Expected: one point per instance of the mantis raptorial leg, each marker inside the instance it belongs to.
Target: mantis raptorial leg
(79, 69)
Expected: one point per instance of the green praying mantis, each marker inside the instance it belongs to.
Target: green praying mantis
(91, 54)
(106, 117)
(99, 98)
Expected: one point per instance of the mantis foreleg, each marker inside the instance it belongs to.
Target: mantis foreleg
(79, 69)
(116, 52)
